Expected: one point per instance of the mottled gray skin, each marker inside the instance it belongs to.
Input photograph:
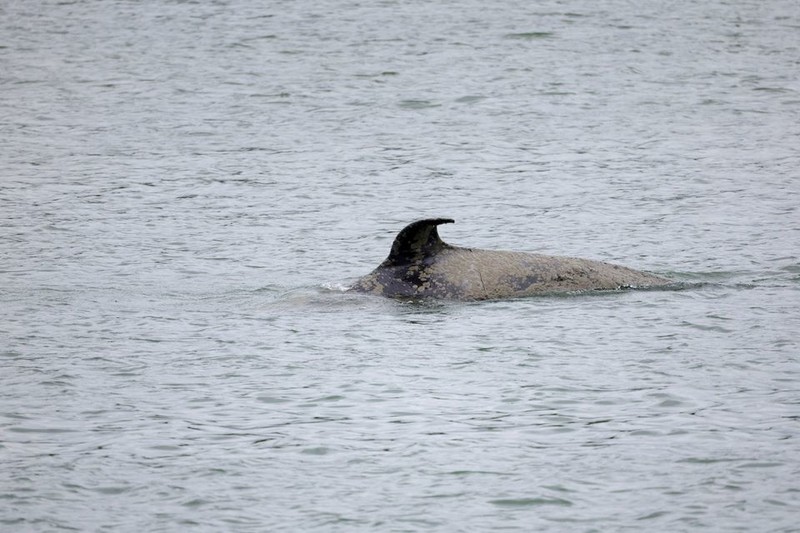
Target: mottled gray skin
(421, 265)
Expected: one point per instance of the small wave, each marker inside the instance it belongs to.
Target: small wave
(529, 502)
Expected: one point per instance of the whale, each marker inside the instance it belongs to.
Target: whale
(421, 265)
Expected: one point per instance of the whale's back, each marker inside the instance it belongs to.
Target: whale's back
(421, 265)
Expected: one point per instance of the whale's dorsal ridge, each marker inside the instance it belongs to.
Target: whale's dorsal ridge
(417, 241)
(421, 265)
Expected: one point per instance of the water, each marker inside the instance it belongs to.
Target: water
(187, 187)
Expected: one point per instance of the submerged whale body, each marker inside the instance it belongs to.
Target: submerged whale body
(421, 265)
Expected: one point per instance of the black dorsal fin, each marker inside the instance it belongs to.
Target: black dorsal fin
(417, 241)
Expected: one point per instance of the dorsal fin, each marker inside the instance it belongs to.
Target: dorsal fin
(417, 241)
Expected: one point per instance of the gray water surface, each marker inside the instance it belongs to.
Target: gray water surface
(186, 189)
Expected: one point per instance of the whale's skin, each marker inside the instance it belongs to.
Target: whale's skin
(421, 266)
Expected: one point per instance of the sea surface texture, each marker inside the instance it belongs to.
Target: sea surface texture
(188, 188)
